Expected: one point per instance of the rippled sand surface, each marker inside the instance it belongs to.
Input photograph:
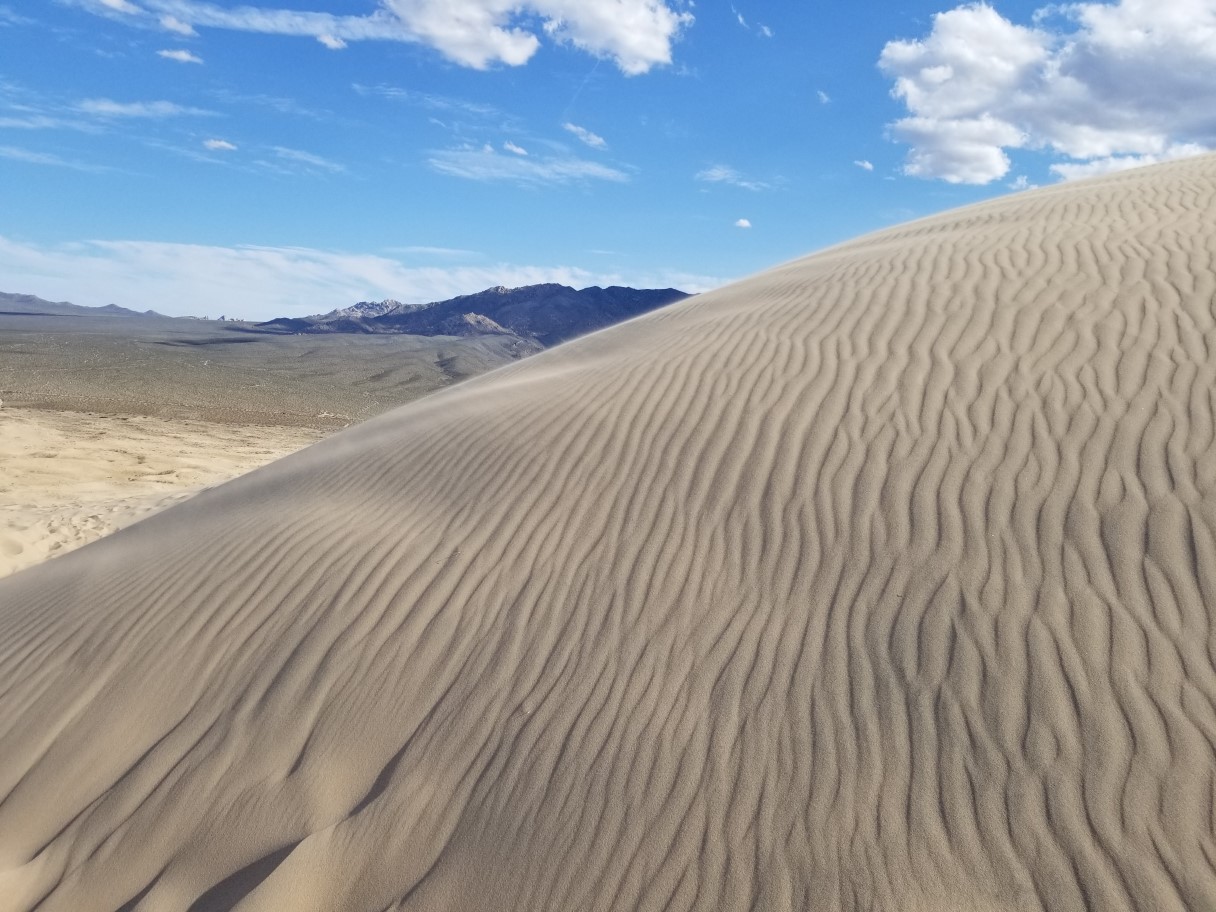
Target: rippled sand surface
(883, 580)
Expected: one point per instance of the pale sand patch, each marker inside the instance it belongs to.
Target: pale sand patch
(68, 478)
(883, 581)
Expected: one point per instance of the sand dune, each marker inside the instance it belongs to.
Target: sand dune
(880, 581)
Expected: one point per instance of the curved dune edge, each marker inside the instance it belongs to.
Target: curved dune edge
(881, 580)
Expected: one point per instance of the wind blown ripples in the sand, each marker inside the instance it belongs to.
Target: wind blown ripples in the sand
(882, 580)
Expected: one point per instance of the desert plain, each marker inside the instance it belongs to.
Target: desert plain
(106, 418)
(882, 580)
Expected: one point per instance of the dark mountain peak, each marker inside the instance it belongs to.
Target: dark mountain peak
(364, 309)
(547, 313)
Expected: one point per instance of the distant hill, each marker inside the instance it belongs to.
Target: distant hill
(29, 304)
(547, 314)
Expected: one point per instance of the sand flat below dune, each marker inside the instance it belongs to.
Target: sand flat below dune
(883, 580)
(69, 478)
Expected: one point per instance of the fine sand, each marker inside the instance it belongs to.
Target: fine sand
(881, 582)
(69, 478)
(119, 415)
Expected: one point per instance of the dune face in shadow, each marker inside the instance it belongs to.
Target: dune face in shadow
(882, 580)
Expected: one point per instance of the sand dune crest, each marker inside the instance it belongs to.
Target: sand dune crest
(882, 580)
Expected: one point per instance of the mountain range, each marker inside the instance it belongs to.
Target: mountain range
(547, 314)
(29, 305)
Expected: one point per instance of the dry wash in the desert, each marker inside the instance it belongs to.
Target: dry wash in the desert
(883, 580)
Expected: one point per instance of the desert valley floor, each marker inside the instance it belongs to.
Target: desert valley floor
(107, 418)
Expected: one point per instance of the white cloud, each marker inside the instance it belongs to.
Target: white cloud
(586, 136)
(958, 150)
(173, 24)
(333, 42)
(24, 109)
(762, 30)
(635, 34)
(824, 97)
(743, 223)
(219, 145)
(430, 100)
(275, 102)
(307, 158)
(38, 121)
(724, 174)
(30, 157)
(485, 164)
(511, 147)
(105, 107)
(9, 17)
(180, 55)
(1112, 163)
(864, 165)
(1103, 84)
(265, 282)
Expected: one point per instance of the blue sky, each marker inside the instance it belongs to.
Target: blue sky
(293, 156)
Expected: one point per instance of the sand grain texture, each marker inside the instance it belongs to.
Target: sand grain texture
(880, 581)
(69, 478)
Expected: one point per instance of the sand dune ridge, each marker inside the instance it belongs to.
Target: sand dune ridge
(881, 580)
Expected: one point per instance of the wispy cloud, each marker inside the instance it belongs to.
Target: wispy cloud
(724, 174)
(23, 109)
(333, 42)
(486, 164)
(37, 121)
(585, 136)
(105, 107)
(30, 157)
(308, 159)
(762, 30)
(429, 100)
(514, 149)
(278, 103)
(219, 145)
(175, 25)
(9, 17)
(266, 281)
(637, 35)
(824, 97)
(180, 55)
(864, 165)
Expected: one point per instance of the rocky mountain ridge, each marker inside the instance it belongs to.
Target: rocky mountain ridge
(547, 313)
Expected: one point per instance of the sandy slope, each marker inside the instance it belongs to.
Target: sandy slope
(68, 478)
(881, 581)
